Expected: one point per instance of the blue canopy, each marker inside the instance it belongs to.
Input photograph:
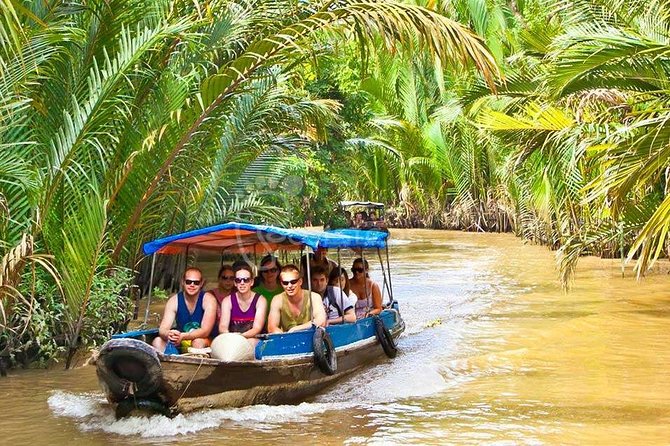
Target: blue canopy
(249, 238)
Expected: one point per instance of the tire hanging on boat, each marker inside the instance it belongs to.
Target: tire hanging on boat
(385, 339)
(325, 356)
(129, 367)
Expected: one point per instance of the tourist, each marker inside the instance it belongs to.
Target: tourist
(268, 279)
(318, 258)
(194, 311)
(358, 220)
(349, 220)
(339, 278)
(243, 311)
(226, 283)
(369, 295)
(338, 306)
(295, 308)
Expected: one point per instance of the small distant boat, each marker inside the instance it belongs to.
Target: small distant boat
(371, 215)
(287, 367)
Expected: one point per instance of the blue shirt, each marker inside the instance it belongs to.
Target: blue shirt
(183, 315)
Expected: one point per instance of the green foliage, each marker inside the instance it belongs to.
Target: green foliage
(160, 294)
(43, 338)
(572, 151)
(46, 336)
(110, 307)
(121, 121)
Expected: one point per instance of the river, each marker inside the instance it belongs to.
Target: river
(494, 353)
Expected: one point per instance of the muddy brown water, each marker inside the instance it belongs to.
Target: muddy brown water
(494, 353)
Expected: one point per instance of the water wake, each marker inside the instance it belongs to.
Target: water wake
(93, 413)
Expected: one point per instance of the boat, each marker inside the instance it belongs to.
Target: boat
(366, 210)
(286, 367)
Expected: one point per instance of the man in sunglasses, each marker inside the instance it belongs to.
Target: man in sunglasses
(193, 310)
(295, 308)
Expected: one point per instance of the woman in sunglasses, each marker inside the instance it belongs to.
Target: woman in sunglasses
(226, 283)
(243, 311)
(268, 278)
(369, 295)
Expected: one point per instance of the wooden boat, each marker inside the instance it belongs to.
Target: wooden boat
(377, 224)
(287, 367)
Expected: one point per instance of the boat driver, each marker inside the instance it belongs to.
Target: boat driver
(338, 306)
(318, 258)
(194, 312)
(295, 308)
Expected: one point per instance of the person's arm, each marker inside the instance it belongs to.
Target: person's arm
(274, 318)
(349, 315)
(226, 307)
(376, 300)
(345, 302)
(165, 330)
(209, 305)
(319, 312)
(259, 319)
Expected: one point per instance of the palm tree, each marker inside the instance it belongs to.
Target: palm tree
(595, 125)
(116, 113)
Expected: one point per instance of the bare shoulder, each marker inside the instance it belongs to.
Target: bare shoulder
(277, 301)
(226, 300)
(171, 304)
(209, 298)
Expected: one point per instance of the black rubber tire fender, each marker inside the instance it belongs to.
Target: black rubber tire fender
(385, 339)
(127, 406)
(325, 356)
(125, 363)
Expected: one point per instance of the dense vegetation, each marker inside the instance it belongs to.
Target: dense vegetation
(123, 120)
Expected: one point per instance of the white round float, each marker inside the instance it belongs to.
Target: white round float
(232, 347)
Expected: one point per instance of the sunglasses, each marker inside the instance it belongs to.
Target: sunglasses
(242, 279)
(269, 270)
(227, 277)
(290, 282)
(357, 270)
(191, 282)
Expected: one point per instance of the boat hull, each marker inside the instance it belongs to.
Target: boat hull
(283, 373)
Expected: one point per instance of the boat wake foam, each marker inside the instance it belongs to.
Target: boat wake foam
(92, 413)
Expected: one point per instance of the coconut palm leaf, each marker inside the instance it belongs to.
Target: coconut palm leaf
(84, 239)
(393, 22)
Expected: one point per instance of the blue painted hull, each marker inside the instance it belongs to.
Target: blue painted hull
(283, 372)
(300, 342)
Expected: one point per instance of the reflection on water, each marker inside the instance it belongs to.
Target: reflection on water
(494, 353)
